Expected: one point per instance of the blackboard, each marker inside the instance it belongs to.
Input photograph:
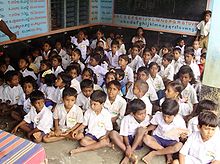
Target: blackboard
(174, 9)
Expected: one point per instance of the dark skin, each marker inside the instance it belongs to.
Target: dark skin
(4, 28)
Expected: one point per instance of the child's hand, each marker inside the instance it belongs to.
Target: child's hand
(14, 130)
(29, 135)
(183, 135)
(128, 151)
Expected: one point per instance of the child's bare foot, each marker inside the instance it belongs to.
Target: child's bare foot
(51, 134)
(74, 151)
(37, 135)
(169, 158)
(134, 159)
(111, 145)
(147, 158)
(125, 160)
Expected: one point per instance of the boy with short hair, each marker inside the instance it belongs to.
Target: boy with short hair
(202, 146)
(67, 117)
(167, 69)
(161, 124)
(39, 119)
(114, 54)
(83, 98)
(204, 29)
(132, 130)
(98, 123)
(140, 89)
(136, 60)
(177, 60)
(115, 104)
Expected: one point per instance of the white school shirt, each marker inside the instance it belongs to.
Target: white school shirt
(113, 59)
(129, 75)
(162, 127)
(76, 85)
(189, 93)
(193, 124)
(177, 65)
(37, 61)
(25, 102)
(196, 151)
(82, 66)
(49, 93)
(197, 54)
(93, 44)
(122, 49)
(57, 71)
(58, 95)
(204, 28)
(83, 101)
(82, 46)
(135, 39)
(100, 73)
(195, 69)
(129, 125)
(28, 73)
(12, 94)
(157, 82)
(70, 119)
(136, 63)
(98, 125)
(151, 93)
(182, 49)
(65, 57)
(148, 104)
(155, 58)
(167, 72)
(42, 120)
(117, 108)
(10, 68)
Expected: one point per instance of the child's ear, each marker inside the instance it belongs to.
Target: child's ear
(199, 127)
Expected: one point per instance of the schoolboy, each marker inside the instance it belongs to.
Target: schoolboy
(67, 117)
(167, 69)
(140, 89)
(39, 119)
(177, 60)
(132, 130)
(115, 104)
(98, 123)
(161, 124)
(83, 98)
(114, 54)
(204, 29)
(202, 146)
(136, 60)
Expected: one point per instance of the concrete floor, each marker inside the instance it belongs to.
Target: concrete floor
(58, 153)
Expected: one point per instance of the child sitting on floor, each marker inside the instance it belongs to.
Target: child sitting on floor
(98, 123)
(202, 146)
(39, 119)
(132, 130)
(67, 117)
(161, 124)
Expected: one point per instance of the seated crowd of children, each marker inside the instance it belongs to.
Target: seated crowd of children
(102, 95)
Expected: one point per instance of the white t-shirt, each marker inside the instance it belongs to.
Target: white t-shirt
(189, 93)
(113, 60)
(82, 46)
(129, 75)
(83, 101)
(25, 102)
(177, 65)
(58, 95)
(100, 73)
(129, 125)
(12, 94)
(98, 125)
(204, 28)
(70, 119)
(76, 85)
(163, 127)
(42, 120)
(197, 151)
(117, 108)
(57, 71)
(93, 44)
(136, 63)
(167, 72)
(28, 73)
(157, 82)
